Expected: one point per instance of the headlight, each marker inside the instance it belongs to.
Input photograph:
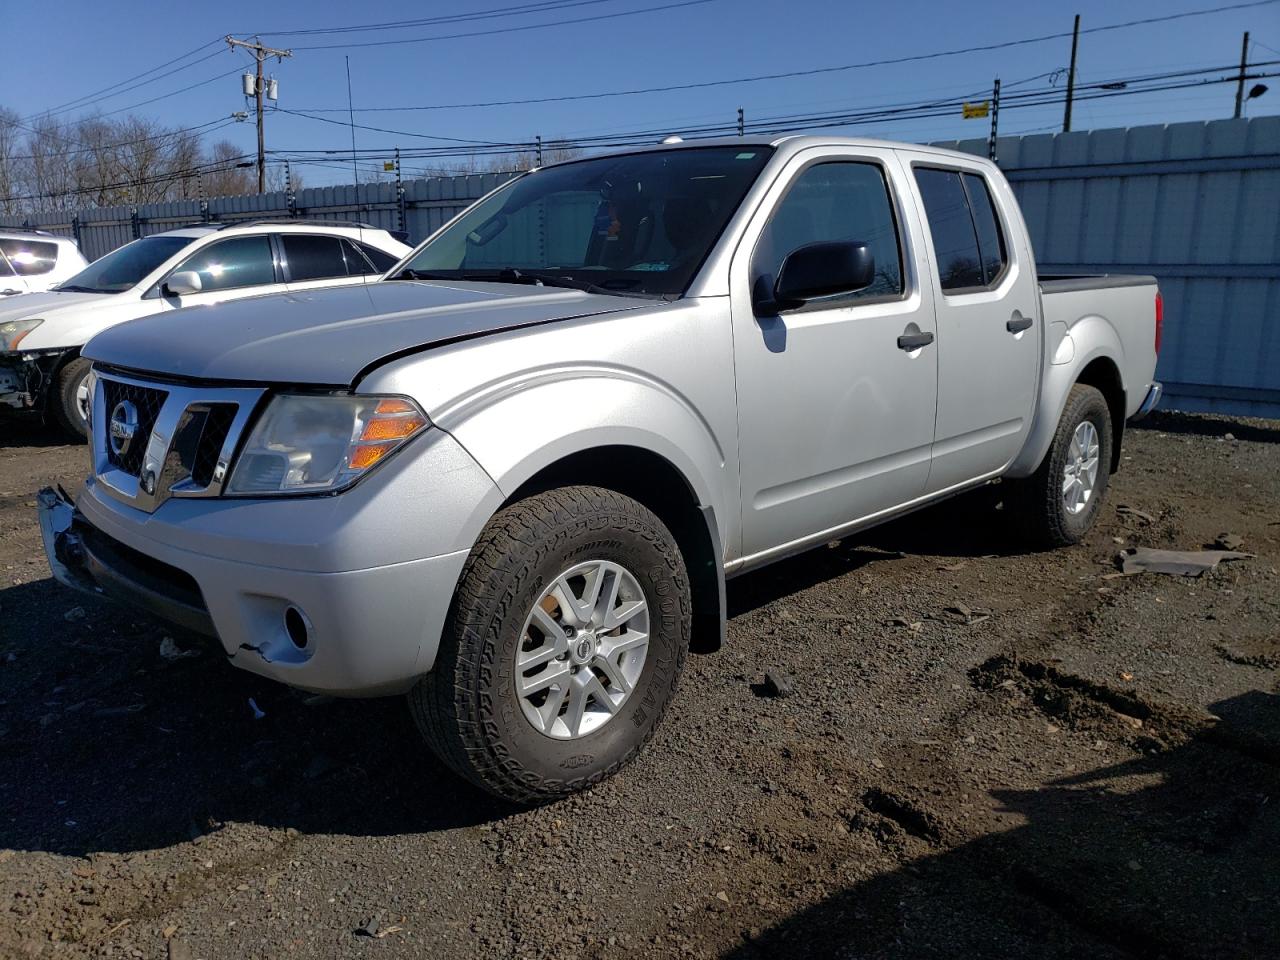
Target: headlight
(12, 332)
(316, 444)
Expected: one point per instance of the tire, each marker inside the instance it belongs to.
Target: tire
(468, 707)
(64, 401)
(1040, 507)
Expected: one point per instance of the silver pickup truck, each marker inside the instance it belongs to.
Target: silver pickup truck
(510, 479)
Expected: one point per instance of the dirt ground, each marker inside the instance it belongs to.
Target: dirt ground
(989, 753)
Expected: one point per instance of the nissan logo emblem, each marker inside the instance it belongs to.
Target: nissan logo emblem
(123, 427)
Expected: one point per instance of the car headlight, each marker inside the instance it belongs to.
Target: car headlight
(318, 444)
(12, 332)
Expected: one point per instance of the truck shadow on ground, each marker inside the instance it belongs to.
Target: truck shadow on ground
(967, 526)
(105, 745)
(1171, 854)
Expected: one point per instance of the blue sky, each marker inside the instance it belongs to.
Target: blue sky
(95, 44)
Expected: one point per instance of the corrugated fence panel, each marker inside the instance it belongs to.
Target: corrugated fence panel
(1195, 204)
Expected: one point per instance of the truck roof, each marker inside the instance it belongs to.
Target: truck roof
(790, 141)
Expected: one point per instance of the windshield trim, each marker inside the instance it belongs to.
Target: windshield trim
(768, 149)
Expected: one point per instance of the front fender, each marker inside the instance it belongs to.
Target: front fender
(517, 428)
(1089, 339)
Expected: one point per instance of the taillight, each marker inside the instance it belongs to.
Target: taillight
(1159, 320)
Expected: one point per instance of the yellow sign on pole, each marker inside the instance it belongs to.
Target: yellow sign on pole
(976, 111)
(388, 165)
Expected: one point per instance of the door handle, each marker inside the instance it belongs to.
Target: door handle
(914, 341)
(1018, 323)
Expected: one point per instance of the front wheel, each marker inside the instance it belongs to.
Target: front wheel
(1057, 505)
(563, 647)
(69, 398)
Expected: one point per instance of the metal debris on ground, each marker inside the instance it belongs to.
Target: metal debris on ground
(777, 684)
(258, 713)
(1127, 511)
(1180, 563)
(1228, 541)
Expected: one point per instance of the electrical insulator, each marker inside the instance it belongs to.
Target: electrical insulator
(248, 81)
(273, 89)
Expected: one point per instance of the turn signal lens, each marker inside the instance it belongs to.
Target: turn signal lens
(364, 457)
(392, 428)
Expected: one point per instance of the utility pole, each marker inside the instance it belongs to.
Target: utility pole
(260, 53)
(995, 115)
(1071, 75)
(1244, 66)
(399, 194)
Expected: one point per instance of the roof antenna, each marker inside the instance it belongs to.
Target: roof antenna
(355, 171)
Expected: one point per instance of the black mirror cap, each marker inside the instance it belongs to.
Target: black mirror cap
(823, 270)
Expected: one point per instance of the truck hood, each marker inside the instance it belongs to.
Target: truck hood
(329, 336)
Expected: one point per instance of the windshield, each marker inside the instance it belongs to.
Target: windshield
(641, 223)
(124, 268)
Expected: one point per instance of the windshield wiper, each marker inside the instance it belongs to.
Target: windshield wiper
(76, 288)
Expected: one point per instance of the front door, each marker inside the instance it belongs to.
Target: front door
(835, 417)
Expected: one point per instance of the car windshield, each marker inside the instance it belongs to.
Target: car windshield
(639, 223)
(122, 269)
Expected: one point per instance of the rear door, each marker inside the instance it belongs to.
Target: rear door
(320, 260)
(835, 418)
(986, 309)
(10, 283)
(231, 268)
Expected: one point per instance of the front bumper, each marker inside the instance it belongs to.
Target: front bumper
(369, 631)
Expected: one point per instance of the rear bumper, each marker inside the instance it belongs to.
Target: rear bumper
(369, 632)
(1149, 402)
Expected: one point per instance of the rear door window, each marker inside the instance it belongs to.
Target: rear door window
(232, 263)
(315, 257)
(29, 258)
(967, 241)
(990, 239)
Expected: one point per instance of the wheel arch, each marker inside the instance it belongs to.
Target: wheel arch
(1102, 374)
(654, 481)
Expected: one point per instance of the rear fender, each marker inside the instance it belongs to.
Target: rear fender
(1089, 339)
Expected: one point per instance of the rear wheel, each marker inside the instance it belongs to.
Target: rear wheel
(563, 647)
(1057, 505)
(69, 398)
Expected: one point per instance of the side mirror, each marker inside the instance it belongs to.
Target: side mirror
(819, 270)
(182, 283)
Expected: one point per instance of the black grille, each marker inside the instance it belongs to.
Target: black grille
(148, 402)
(217, 424)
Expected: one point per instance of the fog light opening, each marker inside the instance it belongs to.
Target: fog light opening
(297, 627)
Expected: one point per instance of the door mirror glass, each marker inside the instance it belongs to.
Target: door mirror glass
(183, 283)
(821, 270)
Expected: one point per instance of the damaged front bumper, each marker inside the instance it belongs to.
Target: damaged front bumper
(353, 632)
(82, 558)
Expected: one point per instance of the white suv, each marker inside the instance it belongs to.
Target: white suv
(41, 370)
(32, 260)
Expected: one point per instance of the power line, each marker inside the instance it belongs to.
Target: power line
(785, 75)
(210, 166)
(86, 99)
(221, 121)
(513, 29)
(542, 7)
